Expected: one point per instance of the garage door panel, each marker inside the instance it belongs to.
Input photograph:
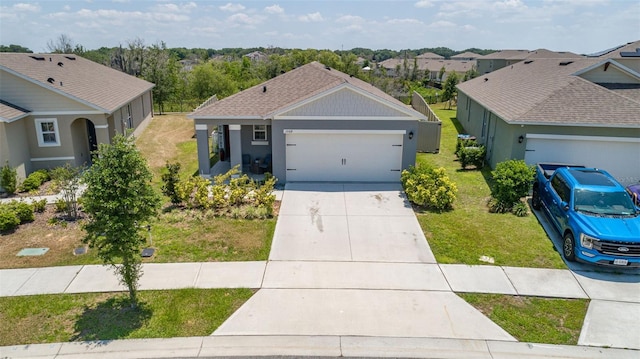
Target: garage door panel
(344, 157)
(620, 157)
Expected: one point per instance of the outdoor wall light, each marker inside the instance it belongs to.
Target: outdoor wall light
(520, 139)
(411, 135)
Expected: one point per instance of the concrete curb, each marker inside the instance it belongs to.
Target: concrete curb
(309, 346)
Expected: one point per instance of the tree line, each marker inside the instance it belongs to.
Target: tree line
(184, 78)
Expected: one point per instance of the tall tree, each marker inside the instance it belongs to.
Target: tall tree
(62, 45)
(118, 199)
(161, 69)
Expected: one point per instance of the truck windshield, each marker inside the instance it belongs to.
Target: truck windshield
(603, 203)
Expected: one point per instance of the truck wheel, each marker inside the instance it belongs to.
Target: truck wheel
(569, 247)
(535, 198)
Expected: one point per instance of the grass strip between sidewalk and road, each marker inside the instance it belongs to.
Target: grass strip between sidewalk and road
(106, 316)
(532, 319)
(470, 231)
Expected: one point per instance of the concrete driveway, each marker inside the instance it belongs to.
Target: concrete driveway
(348, 222)
(351, 259)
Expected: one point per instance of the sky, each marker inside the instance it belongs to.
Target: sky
(580, 26)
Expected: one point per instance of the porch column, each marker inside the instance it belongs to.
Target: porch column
(202, 138)
(102, 134)
(235, 141)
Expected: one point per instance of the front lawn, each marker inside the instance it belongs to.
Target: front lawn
(178, 235)
(106, 316)
(469, 232)
(535, 320)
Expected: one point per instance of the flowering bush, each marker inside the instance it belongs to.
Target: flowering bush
(429, 187)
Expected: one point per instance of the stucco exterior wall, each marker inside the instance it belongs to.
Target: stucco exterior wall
(279, 142)
(255, 150)
(34, 97)
(14, 135)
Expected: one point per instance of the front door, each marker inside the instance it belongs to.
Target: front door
(91, 136)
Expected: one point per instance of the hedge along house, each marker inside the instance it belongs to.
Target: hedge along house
(579, 110)
(313, 123)
(56, 108)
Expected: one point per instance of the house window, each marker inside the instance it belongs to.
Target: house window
(47, 132)
(259, 132)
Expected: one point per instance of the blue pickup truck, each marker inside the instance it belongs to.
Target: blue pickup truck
(593, 213)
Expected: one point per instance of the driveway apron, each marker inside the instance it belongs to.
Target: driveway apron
(351, 259)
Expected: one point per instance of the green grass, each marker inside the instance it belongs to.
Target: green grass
(105, 316)
(470, 231)
(536, 320)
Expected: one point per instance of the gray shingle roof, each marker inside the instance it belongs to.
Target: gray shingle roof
(543, 92)
(96, 85)
(283, 91)
(629, 47)
(526, 54)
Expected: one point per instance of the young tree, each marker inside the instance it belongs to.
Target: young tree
(450, 90)
(68, 179)
(63, 45)
(118, 199)
(8, 178)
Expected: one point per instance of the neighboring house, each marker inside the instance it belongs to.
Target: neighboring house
(257, 56)
(430, 65)
(430, 56)
(315, 124)
(576, 110)
(466, 56)
(497, 60)
(56, 108)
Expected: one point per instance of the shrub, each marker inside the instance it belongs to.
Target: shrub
(194, 192)
(8, 219)
(35, 180)
(170, 180)
(39, 206)
(61, 205)
(23, 211)
(8, 178)
(462, 143)
(429, 187)
(513, 180)
(472, 156)
(520, 209)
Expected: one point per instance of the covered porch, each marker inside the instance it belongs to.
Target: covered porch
(247, 146)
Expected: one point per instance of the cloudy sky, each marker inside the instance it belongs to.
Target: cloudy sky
(581, 26)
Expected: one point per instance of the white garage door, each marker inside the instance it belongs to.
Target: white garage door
(344, 155)
(618, 155)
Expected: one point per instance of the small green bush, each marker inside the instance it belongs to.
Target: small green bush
(429, 187)
(520, 209)
(8, 219)
(472, 156)
(39, 206)
(23, 211)
(194, 192)
(8, 178)
(35, 180)
(462, 143)
(170, 180)
(61, 205)
(513, 180)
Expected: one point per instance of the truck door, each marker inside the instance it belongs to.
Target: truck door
(559, 193)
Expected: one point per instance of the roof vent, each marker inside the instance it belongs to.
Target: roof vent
(72, 58)
(51, 80)
(528, 62)
(328, 68)
(37, 58)
(264, 88)
(565, 63)
(60, 64)
(486, 79)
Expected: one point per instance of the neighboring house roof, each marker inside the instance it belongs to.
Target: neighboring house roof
(526, 54)
(265, 100)
(429, 55)
(257, 56)
(543, 91)
(10, 112)
(631, 49)
(459, 66)
(465, 55)
(95, 85)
